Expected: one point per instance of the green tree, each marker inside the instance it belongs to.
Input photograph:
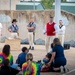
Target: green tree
(47, 3)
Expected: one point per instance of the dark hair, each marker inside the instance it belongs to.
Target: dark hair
(6, 62)
(24, 49)
(49, 55)
(6, 50)
(51, 16)
(14, 20)
(56, 41)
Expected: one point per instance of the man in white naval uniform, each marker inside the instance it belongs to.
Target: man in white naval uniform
(61, 32)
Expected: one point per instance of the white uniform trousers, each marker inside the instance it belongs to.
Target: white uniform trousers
(30, 37)
(48, 42)
(61, 38)
(14, 35)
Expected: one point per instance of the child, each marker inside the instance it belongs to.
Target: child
(2, 58)
(44, 63)
(30, 67)
(6, 52)
(22, 57)
(6, 69)
(45, 67)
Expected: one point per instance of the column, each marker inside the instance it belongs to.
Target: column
(57, 11)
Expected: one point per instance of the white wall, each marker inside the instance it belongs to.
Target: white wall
(41, 18)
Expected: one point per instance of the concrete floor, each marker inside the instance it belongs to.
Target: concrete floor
(40, 52)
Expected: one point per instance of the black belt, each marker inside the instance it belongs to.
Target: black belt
(14, 32)
(30, 31)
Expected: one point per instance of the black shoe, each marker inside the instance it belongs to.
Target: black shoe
(29, 47)
(32, 48)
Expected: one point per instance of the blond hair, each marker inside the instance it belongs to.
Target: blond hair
(29, 59)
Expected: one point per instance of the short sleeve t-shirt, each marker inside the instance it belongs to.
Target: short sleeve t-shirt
(59, 51)
(10, 57)
(32, 24)
(35, 69)
(2, 58)
(14, 28)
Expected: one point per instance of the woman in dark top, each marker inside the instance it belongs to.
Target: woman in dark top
(58, 57)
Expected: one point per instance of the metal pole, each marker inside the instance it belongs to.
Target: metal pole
(34, 4)
(57, 11)
(10, 4)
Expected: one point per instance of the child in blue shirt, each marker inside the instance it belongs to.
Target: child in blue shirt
(44, 63)
(22, 57)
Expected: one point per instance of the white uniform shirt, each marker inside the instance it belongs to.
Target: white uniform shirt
(61, 30)
(0, 27)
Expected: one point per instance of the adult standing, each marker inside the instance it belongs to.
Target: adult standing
(14, 29)
(61, 32)
(31, 32)
(50, 30)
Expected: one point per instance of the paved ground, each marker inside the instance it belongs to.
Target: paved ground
(40, 52)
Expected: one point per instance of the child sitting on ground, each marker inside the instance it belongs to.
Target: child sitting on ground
(2, 58)
(45, 67)
(7, 70)
(6, 51)
(22, 57)
(30, 67)
(44, 63)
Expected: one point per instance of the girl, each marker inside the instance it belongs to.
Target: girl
(30, 67)
(6, 52)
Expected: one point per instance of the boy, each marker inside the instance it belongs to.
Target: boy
(45, 61)
(22, 57)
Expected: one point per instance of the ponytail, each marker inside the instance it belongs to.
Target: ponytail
(29, 68)
(29, 59)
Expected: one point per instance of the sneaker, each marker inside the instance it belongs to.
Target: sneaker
(62, 69)
(66, 69)
(32, 48)
(29, 47)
